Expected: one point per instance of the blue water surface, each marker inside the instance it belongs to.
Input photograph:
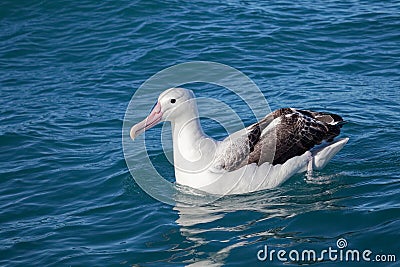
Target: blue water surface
(68, 70)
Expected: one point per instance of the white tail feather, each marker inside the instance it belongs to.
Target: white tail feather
(324, 154)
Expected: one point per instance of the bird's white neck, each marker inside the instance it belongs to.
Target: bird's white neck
(193, 149)
(187, 135)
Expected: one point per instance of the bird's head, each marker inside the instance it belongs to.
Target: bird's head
(171, 105)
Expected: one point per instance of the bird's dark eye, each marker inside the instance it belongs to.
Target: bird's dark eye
(173, 100)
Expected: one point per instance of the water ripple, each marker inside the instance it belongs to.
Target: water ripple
(68, 71)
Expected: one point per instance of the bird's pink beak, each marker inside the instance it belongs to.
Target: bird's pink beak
(151, 120)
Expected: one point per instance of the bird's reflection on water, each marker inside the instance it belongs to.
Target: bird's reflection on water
(233, 222)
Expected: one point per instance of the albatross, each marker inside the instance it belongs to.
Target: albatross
(263, 155)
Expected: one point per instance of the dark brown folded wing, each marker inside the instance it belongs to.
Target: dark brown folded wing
(281, 135)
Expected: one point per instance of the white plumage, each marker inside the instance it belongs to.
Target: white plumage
(263, 155)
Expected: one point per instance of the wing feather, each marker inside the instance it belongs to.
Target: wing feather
(280, 136)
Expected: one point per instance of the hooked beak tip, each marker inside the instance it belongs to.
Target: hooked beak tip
(154, 118)
(132, 133)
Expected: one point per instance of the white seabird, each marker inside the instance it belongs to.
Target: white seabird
(262, 155)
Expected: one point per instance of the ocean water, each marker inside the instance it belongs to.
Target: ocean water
(68, 70)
